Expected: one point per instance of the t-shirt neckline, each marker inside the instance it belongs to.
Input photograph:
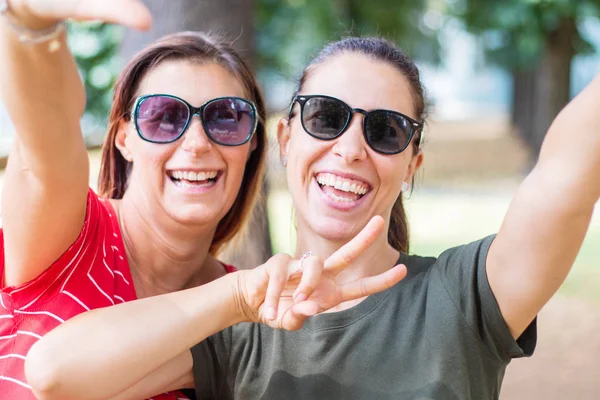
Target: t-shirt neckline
(341, 319)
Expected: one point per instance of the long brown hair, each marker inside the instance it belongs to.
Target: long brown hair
(197, 47)
(382, 50)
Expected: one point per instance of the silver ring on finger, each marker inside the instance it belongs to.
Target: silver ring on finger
(305, 255)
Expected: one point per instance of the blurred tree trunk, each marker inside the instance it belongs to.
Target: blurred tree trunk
(539, 95)
(522, 104)
(232, 19)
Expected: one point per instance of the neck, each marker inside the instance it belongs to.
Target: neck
(376, 259)
(164, 255)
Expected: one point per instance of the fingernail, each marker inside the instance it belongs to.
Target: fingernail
(270, 313)
(300, 297)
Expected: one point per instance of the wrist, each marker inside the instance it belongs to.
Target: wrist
(20, 12)
(243, 311)
(220, 299)
(28, 27)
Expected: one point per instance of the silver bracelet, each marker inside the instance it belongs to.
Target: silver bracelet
(33, 36)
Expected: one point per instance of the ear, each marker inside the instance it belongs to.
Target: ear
(283, 137)
(413, 166)
(121, 141)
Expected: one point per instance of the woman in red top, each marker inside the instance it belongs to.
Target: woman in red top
(181, 165)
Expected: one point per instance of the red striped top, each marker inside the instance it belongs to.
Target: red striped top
(92, 273)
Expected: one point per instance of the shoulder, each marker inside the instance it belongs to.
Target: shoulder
(95, 263)
(465, 259)
(471, 255)
(415, 263)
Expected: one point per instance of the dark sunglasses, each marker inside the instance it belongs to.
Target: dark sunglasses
(326, 118)
(163, 118)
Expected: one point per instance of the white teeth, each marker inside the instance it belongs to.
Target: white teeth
(345, 185)
(194, 176)
(338, 198)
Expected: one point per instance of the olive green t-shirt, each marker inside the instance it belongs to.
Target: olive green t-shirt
(438, 334)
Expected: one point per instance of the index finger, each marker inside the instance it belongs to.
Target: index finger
(349, 252)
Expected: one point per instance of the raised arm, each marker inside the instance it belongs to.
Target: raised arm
(140, 348)
(549, 216)
(46, 181)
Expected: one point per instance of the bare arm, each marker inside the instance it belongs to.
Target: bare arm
(128, 344)
(43, 199)
(132, 350)
(46, 181)
(549, 216)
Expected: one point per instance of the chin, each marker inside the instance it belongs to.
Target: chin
(197, 214)
(335, 229)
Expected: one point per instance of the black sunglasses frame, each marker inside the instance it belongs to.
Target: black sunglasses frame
(302, 99)
(193, 111)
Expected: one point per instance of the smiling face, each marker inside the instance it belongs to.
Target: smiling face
(192, 180)
(338, 185)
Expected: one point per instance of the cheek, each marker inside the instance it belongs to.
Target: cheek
(236, 159)
(304, 150)
(303, 160)
(148, 158)
(392, 172)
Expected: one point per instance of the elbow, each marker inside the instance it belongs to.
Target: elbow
(42, 371)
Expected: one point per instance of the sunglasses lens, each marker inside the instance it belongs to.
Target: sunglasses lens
(161, 119)
(387, 132)
(324, 117)
(229, 121)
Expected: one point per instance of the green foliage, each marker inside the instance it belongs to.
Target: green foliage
(94, 46)
(514, 32)
(289, 31)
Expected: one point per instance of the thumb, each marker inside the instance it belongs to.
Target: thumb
(306, 308)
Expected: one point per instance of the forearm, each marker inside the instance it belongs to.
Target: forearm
(45, 98)
(104, 352)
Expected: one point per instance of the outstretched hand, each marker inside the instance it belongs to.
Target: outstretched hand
(282, 293)
(130, 13)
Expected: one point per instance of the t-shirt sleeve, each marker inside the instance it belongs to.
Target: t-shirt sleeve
(463, 274)
(211, 360)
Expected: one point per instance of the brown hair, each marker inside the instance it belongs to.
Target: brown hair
(382, 50)
(197, 47)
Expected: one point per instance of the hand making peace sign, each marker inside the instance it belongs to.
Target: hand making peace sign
(283, 293)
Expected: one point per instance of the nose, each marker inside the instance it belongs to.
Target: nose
(195, 139)
(350, 145)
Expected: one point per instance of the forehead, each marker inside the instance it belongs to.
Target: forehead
(362, 82)
(194, 82)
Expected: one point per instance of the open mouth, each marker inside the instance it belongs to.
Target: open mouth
(342, 189)
(193, 178)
